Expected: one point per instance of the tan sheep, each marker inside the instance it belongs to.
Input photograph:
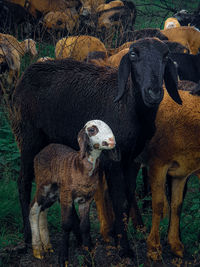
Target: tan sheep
(78, 47)
(70, 176)
(171, 23)
(61, 20)
(26, 46)
(187, 36)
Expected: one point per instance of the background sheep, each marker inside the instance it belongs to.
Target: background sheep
(26, 46)
(90, 91)
(187, 36)
(171, 23)
(78, 47)
(188, 66)
(65, 174)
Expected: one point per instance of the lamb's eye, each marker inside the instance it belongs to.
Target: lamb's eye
(91, 130)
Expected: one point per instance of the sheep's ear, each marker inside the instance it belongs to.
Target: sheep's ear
(83, 141)
(171, 81)
(123, 74)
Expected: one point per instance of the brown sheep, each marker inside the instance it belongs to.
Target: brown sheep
(70, 176)
(26, 46)
(61, 20)
(174, 151)
(187, 36)
(90, 7)
(171, 23)
(36, 7)
(78, 47)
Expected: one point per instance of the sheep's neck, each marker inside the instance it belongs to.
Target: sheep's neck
(92, 158)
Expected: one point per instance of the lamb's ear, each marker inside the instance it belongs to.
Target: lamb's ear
(83, 141)
(123, 73)
(171, 81)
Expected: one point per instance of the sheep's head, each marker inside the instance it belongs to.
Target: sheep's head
(148, 63)
(9, 63)
(96, 134)
(30, 47)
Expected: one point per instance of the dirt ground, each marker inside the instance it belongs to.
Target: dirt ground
(103, 255)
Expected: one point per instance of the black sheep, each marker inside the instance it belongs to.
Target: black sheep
(188, 66)
(54, 98)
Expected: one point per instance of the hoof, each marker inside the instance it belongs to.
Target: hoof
(38, 254)
(48, 248)
(178, 250)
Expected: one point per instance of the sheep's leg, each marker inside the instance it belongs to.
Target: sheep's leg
(157, 175)
(67, 222)
(34, 222)
(44, 232)
(24, 188)
(104, 208)
(28, 151)
(131, 171)
(178, 185)
(84, 210)
(115, 180)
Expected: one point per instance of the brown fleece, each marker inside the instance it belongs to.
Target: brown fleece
(173, 150)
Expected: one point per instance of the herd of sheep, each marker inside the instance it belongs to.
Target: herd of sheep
(139, 101)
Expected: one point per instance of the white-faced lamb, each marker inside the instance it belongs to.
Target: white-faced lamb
(70, 176)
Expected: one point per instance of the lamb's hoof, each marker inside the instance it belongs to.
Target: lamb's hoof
(48, 248)
(38, 254)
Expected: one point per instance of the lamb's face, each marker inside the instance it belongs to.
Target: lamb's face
(100, 135)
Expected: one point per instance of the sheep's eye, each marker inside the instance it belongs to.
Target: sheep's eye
(133, 55)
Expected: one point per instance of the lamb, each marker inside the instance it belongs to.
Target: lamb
(78, 47)
(26, 46)
(188, 66)
(71, 176)
(174, 152)
(187, 36)
(171, 23)
(129, 106)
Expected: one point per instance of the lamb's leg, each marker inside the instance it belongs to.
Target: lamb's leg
(178, 185)
(34, 222)
(157, 175)
(76, 226)
(67, 222)
(84, 210)
(44, 232)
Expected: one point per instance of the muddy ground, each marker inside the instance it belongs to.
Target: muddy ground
(103, 254)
